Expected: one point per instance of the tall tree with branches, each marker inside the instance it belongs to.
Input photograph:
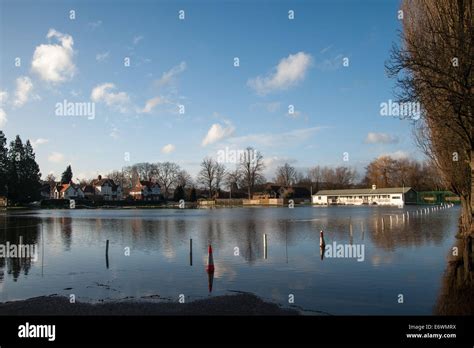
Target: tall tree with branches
(434, 66)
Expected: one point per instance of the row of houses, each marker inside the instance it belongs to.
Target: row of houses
(102, 189)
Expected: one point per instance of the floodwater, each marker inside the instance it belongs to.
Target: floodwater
(149, 256)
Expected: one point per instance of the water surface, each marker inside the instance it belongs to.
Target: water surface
(406, 258)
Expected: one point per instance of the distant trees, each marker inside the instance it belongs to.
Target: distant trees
(66, 177)
(386, 171)
(178, 193)
(323, 177)
(232, 180)
(434, 66)
(3, 164)
(251, 167)
(50, 179)
(167, 174)
(286, 175)
(207, 174)
(20, 174)
(193, 195)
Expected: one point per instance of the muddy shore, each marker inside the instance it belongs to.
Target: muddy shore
(240, 304)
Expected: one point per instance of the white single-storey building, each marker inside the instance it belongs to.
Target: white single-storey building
(385, 196)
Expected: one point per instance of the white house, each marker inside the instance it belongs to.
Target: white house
(104, 188)
(67, 191)
(396, 196)
(145, 190)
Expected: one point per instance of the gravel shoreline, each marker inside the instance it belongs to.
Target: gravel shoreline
(240, 304)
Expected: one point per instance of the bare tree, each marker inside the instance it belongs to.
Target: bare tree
(145, 170)
(434, 67)
(207, 174)
(220, 175)
(316, 176)
(251, 166)
(232, 180)
(166, 174)
(286, 175)
(50, 178)
(184, 179)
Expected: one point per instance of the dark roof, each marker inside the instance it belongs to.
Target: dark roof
(149, 184)
(101, 182)
(88, 189)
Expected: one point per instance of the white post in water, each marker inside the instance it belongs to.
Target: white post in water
(265, 246)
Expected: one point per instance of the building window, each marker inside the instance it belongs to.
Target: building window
(396, 197)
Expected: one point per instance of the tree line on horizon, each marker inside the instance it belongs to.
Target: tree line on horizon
(20, 176)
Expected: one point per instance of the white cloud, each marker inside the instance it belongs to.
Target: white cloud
(3, 114)
(3, 97)
(56, 157)
(288, 73)
(380, 138)
(94, 25)
(103, 93)
(330, 64)
(276, 139)
(38, 142)
(151, 103)
(3, 117)
(54, 62)
(218, 132)
(168, 148)
(169, 76)
(137, 39)
(102, 57)
(397, 154)
(24, 88)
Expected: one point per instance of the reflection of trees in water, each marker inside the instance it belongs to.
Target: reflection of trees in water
(252, 245)
(10, 231)
(457, 289)
(66, 232)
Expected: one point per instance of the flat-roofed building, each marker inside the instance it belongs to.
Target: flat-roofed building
(383, 196)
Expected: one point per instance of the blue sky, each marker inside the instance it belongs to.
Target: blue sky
(190, 62)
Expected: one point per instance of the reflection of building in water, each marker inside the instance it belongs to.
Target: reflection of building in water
(416, 232)
(457, 291)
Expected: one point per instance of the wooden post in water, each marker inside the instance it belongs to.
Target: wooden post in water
(190, 251)
(107, 254)
(265, 246)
